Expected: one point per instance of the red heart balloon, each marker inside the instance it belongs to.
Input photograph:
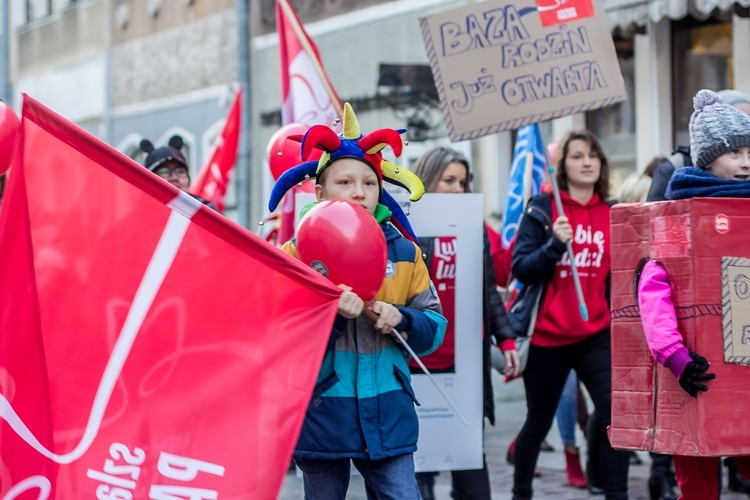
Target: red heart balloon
(283, 152)
(9, 126)
(343, 241)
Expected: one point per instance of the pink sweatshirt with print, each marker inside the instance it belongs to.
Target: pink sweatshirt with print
(660, 320)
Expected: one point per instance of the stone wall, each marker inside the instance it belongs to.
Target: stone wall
(172, 62)
(71, 36)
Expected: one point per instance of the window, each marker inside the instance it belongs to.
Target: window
(129, 147)
(615, 125)
(28, 11)
(701, 59)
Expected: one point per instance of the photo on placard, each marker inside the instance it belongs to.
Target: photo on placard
(440, 257)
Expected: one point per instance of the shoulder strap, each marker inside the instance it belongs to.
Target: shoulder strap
(545, 210)
(427, 246)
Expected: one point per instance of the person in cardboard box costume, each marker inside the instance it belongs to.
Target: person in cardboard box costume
(720, 150)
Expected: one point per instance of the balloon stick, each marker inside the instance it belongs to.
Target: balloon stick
(373, 317)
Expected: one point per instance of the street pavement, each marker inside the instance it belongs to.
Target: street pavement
(510, 414)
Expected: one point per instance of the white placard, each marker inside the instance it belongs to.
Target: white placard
(445, 443)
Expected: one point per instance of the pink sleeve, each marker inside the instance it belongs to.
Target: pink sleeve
(657, 312)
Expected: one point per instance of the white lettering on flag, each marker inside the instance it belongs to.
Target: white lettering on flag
(183, 208)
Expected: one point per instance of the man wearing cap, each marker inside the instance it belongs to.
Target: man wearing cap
(169, 163)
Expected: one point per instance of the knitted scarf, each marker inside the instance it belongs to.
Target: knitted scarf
(692, 182)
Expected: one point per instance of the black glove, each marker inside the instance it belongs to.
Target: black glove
(694, 374)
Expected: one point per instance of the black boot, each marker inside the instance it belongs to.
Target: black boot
(594, 480)
(426, 484)
(660, 483)
(736, 481)
(593, 458)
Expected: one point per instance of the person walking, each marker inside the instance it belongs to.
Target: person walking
(720, 151)
(362, 407)
(562, 340)
(443, 170)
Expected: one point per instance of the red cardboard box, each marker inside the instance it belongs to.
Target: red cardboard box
(704, 244)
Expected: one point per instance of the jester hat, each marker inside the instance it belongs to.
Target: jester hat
(353, 144)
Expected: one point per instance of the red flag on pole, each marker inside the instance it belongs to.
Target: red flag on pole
(212, 180)
(307, 95)
(150, 348)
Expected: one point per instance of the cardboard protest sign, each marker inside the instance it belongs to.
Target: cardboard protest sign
(503, 64)
(735, 290)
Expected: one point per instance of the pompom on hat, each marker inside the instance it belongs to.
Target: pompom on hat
(353, 144)
(715, 128)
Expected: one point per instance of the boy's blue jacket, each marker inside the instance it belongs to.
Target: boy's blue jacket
(363, 404)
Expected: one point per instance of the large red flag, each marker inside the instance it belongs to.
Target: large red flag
(212, 180)
(306, 93)
(149, 347)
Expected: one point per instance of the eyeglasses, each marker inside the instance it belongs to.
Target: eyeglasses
(166, 172)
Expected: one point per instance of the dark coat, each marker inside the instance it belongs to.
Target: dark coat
(537, 251)
(662, 174)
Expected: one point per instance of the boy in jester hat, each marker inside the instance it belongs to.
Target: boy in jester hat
(362, 407)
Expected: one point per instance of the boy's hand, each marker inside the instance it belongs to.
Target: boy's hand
(350, 305)
(562, 229)
(388, 316)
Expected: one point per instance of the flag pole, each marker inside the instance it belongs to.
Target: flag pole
(374, 317)
(302, 36)
(569, 245)
(429, 375)
(528, 171)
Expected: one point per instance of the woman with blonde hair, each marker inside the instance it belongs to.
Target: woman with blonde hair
(636, 186)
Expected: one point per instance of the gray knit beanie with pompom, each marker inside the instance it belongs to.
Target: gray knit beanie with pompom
(715, 128)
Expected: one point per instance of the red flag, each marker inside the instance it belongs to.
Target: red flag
(307, 95)
(150, 347)
(212, 180)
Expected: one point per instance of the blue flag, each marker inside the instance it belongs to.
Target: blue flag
(527, 140)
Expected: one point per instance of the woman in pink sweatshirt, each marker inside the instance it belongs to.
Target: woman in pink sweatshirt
(720, 149)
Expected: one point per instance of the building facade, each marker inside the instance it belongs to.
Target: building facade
(128, 69)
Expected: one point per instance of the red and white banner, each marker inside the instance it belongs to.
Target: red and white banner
(149, 347)
(213, 178)
(307, 95)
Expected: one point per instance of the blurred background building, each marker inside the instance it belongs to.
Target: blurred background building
(128, 69)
